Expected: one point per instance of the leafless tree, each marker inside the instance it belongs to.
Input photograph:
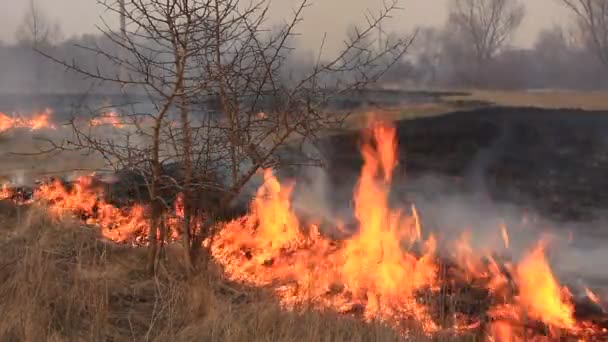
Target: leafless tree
(37, 32)
(225, 105)
(429, 51)
(592, 18)
(485, 25)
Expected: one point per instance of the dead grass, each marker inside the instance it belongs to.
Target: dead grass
(553, 99)
(61, 283)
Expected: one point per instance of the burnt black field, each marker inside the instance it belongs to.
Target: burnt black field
(552, 161)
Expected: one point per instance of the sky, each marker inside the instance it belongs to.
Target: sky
(324, 16)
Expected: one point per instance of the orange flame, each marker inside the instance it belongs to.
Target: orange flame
(592, 296)
(505, 235)
(370, 268)
(501, 331)
(377, 267)
(87, 200)
(540, 293)
(110, 119)
(36, 122)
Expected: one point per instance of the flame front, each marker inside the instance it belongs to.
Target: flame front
(383, 271)
(386, 271)
(109, 119)
(35, 122)
(87, 200)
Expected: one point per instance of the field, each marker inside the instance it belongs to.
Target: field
(524, 163)
(447, 102)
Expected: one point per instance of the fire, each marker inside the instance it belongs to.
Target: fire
(110, 119)
(371, 269)
(374, 257)
(388, 270)
(35, 122)
(502, 332)
(540, 293)
(86, 200)
(505, 235)
(592, 296)
(384, 268)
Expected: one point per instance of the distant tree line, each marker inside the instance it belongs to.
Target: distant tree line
(474, 49)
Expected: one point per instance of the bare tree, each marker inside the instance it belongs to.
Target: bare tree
(485, 25)
(592, 18)
(429, 51)
(225, 105)
(37, 32)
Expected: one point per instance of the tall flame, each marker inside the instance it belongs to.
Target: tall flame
(540, 293)
(371, 268)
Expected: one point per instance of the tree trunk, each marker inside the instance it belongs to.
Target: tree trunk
(153, 240)
(156, 205)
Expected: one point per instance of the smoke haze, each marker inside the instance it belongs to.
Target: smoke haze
(331, 17)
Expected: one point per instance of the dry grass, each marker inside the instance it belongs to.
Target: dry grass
(552, 99)
(61, 283)
(586, 100)
(359, 120)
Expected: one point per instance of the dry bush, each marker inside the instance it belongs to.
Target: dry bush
(62, 283)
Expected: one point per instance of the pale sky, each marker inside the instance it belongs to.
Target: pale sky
(324, 16)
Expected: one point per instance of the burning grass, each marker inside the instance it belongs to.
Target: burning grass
(34, 122)
(62, 283)
(389, 273)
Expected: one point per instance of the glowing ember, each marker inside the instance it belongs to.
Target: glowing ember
(35, 122)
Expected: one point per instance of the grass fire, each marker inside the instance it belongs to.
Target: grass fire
(388, 271)
(230, 170)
